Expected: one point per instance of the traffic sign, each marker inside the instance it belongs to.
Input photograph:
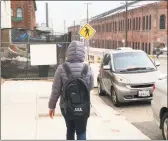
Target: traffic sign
(87, 31)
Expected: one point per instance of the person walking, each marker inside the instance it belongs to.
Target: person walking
(158, 52)
(73, 82)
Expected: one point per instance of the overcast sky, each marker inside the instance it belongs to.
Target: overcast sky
(71, 11)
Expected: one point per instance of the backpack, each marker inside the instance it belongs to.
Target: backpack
(76, 95)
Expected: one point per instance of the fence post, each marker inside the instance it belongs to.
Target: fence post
(28, 50)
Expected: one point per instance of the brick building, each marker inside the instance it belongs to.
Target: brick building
(147, 26)
(74, 32)
(5, 23)
(23, 14)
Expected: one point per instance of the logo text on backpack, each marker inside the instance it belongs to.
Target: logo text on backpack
(78, 109)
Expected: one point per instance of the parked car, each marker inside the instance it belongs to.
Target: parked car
(127, 76)
(124, 48)
(159, 105)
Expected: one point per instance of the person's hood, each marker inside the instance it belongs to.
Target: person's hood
(76, 52)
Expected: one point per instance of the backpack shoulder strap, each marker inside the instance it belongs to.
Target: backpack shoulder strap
(67, 70)
(84, 71)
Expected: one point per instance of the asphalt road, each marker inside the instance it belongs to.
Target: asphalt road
(140, 113)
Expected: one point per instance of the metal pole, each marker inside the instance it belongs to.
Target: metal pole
(87, 14)
(64, 26)
(74, 31)
(126, 32)
(88, 23)
(47, 14)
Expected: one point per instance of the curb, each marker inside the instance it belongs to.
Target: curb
(111, 113)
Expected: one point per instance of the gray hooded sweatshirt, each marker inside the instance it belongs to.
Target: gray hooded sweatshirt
(75, 60)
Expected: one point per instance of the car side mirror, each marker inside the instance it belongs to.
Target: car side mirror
(106, 67)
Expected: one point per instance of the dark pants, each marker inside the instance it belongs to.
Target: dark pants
(78, 126)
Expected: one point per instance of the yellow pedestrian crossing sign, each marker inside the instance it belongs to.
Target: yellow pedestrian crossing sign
(87, 31)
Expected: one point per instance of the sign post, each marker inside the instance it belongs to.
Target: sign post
(87, 32)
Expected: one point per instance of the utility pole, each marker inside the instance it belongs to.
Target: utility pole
(74, 38)
(87, 4)
(126, 29)
(88, 11)
(64, 26)
(74, 26)
(47, 15)
(52, 26)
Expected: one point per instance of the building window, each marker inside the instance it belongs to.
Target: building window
(138, 45)
(118, 25)
(130, 24)
(103, 44)
(103, 28)
(146, 22)
(139, 23)
(115, 26)
(136, 23)
(150, 22)
(123, 25)
(143, 24)
(162, 21)
(19, 13)
(11, 12)
(106, 28)
(116, 45)
(110, 27)
(143, 46)
(146, 48)
(149, 48)
(133, 45)
(99, 44)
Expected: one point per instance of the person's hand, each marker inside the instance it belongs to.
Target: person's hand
(51, 113)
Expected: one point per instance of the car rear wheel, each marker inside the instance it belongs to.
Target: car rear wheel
(99, 88)
(114, 98)
(164, 123)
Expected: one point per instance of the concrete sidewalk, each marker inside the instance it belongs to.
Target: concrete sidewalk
(24, 107)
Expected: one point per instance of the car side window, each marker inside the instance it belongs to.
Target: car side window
(107, 60)
(103, 60)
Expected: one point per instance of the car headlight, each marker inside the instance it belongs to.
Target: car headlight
(121, 79)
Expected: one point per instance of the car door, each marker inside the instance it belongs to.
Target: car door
(159, 97)
(109, 76)
(102, 71)
(106, 72)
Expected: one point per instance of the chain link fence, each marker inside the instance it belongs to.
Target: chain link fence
(15, 53)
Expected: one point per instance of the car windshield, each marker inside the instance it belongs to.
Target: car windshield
(132, 61)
